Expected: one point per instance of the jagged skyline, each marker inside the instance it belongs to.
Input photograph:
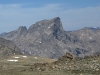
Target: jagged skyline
(47, 38)
(74, 14)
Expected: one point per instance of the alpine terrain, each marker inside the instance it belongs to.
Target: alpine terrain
(47, 38)
(8, 48)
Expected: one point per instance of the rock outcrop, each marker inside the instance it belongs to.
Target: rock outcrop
(8, 48)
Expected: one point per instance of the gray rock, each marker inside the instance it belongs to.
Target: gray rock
(8, 48)
(47, 38)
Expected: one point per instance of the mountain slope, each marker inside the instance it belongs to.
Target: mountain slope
(8, 48)
(47, 38)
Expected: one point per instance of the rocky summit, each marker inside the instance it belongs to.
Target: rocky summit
(47, 38)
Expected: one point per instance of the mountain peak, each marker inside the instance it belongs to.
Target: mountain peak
(22, 28)
(47, 38)
(56, 18)
(57, 22)
(46, 25)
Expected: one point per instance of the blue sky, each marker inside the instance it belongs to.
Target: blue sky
(74, 14)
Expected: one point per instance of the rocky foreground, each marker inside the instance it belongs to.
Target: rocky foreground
(89, 65)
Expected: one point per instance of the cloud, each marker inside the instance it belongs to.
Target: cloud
(14, 15)
(10, 6)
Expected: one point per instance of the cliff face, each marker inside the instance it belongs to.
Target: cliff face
(47, 38)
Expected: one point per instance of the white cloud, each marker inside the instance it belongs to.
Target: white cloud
(15, 15)
(10, 6)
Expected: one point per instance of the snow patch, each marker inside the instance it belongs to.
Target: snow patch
(90, 37)
(30, 53)
(49, 27)
(12, 60)
(39, 23)
(24, 56)
(92, 51)
(35, 58)
(16, 57)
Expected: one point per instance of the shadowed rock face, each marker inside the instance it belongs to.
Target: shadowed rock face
(8, 48)
(47, 38)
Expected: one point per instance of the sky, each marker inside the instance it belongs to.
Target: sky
(74, 14)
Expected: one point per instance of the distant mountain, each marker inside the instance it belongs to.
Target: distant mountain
(47, 38)
(94, 28)
(8, 48)
(2, 34)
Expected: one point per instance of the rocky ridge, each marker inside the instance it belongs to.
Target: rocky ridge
(8, 48)
(47, 38)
